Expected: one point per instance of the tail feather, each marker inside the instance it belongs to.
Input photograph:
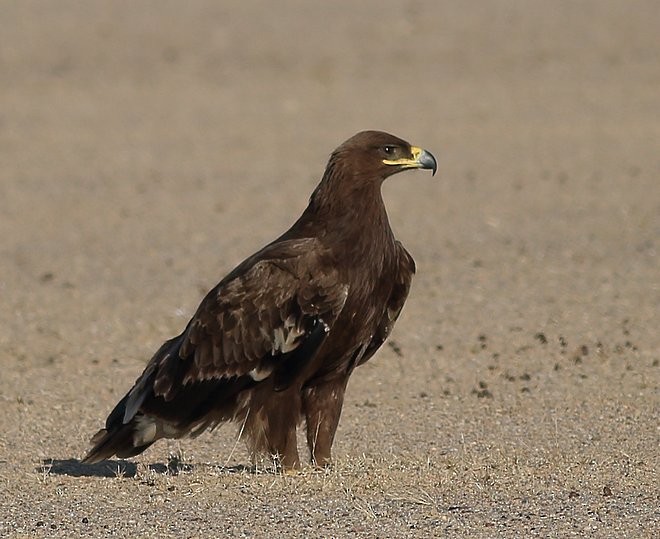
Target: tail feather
(119, 442)
(141, 418)
(119, 438)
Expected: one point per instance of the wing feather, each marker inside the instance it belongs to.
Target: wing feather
(261, 312)
(400, 290)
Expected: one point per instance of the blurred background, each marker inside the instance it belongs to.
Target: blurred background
(146, 142)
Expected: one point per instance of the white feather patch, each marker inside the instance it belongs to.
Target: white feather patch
(145, 430)
(286, 337)
(258, 374)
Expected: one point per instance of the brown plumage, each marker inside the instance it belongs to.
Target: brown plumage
(277, 339)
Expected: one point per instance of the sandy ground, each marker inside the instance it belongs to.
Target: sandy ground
(147, 147)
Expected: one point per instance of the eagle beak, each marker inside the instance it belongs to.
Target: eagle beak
(424, 159)
(420, 159)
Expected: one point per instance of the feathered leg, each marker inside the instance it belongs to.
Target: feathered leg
(322, 405)
(271, 426)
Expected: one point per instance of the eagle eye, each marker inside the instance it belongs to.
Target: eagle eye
(389, 150)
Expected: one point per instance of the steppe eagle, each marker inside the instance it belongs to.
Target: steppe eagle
(275, 342)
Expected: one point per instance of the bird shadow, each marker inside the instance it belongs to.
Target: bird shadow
(126, 469)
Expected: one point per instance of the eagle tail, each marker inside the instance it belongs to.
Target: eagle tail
(110, 443)
(122, 439)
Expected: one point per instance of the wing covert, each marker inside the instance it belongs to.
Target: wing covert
(252, 319)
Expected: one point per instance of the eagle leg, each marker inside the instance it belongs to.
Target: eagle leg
(322, 405)
(271, 425)
(289, 459)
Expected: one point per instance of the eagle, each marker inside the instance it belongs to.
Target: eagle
(274, 343)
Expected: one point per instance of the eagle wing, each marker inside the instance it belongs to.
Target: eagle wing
(400, 290)
(266, 318)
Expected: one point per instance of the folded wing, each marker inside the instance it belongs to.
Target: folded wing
(265, 320)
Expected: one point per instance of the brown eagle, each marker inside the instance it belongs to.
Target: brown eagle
(277, 339)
